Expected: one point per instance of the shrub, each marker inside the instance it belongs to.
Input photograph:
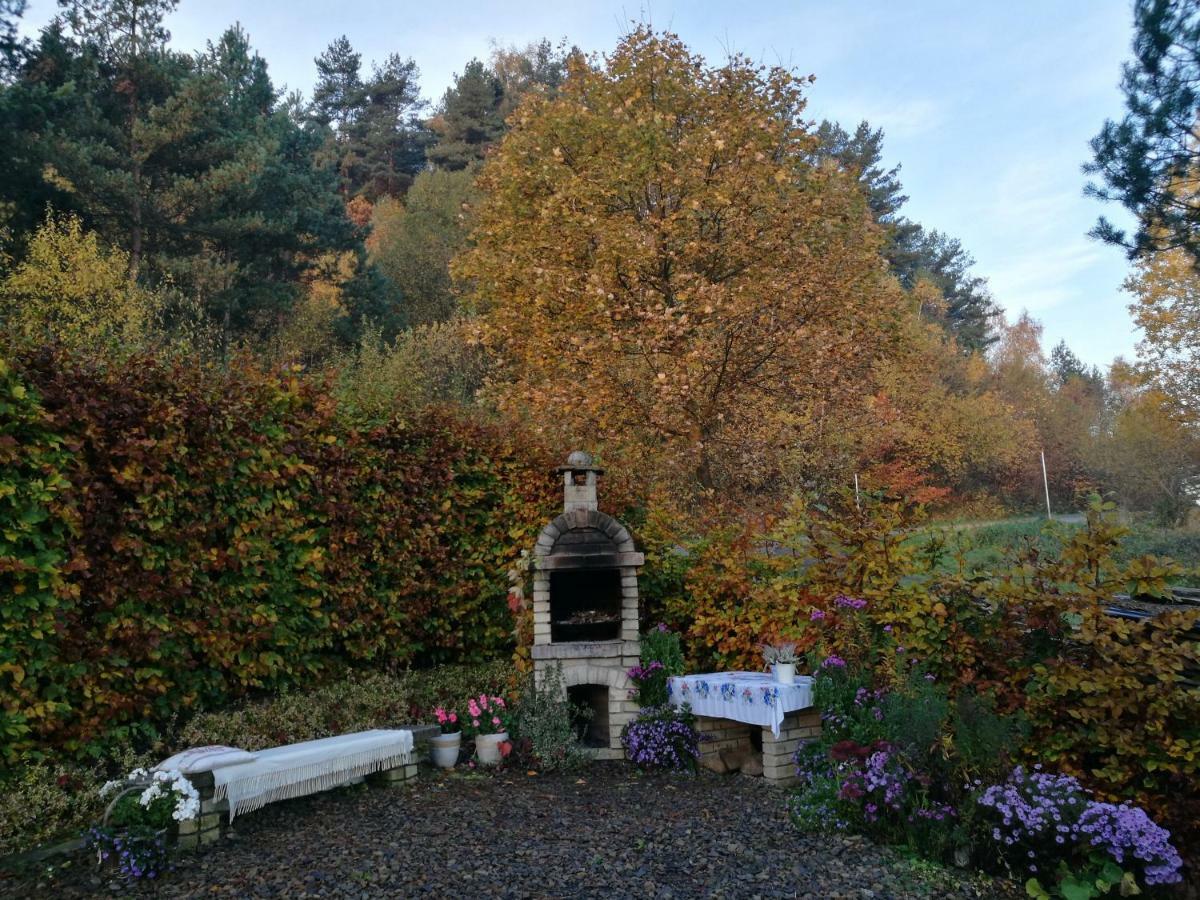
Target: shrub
(662, 737)
(358, 702)
(1049, 826)
(44, 802)
(661, 658)
(185, 537)
(905, 764)
(545, 725)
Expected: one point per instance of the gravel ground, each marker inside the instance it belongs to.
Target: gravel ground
(609, 832)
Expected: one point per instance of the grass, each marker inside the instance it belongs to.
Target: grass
(986, 545)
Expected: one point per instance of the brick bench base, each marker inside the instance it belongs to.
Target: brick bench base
(727, 736)
(213, 820)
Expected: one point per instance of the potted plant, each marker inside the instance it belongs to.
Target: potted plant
(489, 725)
(444, 747)
(782, 660)
(144, 810)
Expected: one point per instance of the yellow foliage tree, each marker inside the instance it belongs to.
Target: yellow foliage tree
(72, 289)
(937, 427)
(1166, 291)
(663, 269)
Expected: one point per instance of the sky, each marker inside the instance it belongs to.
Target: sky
(987, 106)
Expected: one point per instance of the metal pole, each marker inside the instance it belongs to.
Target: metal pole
(1046, 485)
(857, 504)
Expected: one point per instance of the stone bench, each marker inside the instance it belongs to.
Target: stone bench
(724, 740)
(214, 817)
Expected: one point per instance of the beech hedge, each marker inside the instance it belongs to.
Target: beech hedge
(174, 537)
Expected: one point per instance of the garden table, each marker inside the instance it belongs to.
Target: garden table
(755, 698)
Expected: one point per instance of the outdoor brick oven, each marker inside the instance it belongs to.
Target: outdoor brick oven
(585, 606)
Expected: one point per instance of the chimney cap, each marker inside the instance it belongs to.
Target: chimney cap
(580, 461)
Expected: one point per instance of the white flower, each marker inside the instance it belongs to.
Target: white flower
(109, 787)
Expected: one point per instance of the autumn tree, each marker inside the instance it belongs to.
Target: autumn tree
(73, 290)
(1147, 451)
(412, 242)
(1166, 291)
(938, 429)
(663, 269)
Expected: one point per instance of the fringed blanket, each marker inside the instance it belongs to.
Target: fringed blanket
(299, 769)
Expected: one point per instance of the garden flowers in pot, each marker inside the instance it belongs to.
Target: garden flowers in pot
(143, 809)
(444, 747)
(782, 660)
(488, 722)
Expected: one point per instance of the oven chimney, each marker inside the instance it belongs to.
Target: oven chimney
(579, 482)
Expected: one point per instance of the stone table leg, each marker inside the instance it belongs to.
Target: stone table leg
(778, 752)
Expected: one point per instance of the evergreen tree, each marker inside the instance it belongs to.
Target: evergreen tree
(1148, 161)
(130, 37)
(207, 183)
(537, 66)
(1065, 364)
(470, 119)
(390, 139)
(374, 135)
(914, 254)
(11, 44)
(339, 95)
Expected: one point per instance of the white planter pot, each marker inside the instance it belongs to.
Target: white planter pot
(444, 749)
(487, 747)
(785, 673)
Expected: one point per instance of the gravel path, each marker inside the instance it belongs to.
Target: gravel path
(609, 832)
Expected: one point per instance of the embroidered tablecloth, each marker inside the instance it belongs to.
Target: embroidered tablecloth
(752, 697)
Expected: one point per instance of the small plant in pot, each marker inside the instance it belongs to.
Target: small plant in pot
(444, 747)
(489, 725)
(782, 659)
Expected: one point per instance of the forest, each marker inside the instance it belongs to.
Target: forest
(178, 204)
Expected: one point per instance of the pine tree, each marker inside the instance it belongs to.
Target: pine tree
(389, 138)
(914, 254)
(210, 178)
(339, 94)
(470, 119)
(1148, 161)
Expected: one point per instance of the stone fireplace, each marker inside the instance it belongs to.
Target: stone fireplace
(585, 606)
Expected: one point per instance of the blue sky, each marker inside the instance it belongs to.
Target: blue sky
(988, 106)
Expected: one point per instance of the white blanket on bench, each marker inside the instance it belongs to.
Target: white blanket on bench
(295, 770)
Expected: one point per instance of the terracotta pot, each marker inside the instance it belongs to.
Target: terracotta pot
(487, 747)
(444, 749)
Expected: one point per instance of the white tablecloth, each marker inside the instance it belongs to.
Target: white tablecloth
(296, 770)
(752, 697)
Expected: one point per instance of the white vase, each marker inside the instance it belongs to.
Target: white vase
(487, 747)
(444, 749)
(785, 673)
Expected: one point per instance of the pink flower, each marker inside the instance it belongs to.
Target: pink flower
(495, 720)
(440, 714)
(500, 702)
(453, 717)
(473, 709)
(475, 722)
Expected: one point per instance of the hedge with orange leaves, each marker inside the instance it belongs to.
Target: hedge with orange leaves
(173, 537)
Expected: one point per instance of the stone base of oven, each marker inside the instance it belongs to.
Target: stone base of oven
(602, 664)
